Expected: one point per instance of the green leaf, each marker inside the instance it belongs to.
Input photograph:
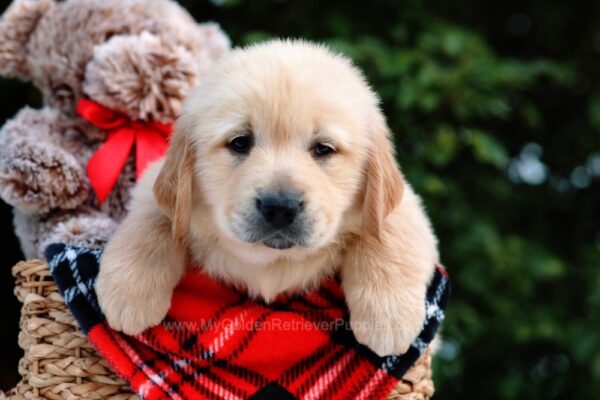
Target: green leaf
(486, 148)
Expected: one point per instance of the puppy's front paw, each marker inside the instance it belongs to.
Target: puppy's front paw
(387, 328)
(130, 306)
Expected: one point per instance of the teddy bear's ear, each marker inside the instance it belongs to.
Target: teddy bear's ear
(143, 76)
(215, 39)
(16, 26)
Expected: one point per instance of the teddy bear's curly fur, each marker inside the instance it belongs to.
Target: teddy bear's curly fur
(136, 57)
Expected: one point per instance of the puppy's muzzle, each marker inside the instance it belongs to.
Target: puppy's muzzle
(279, 211)
(279, 220)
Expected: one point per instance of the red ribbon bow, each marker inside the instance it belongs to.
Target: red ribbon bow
(106, 164)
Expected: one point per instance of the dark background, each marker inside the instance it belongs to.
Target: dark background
(496, 111)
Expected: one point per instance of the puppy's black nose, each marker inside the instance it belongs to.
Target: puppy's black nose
(279, 210)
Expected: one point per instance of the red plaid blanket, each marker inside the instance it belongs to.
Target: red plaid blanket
(216, 343)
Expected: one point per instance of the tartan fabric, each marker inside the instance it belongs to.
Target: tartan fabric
(216, 343)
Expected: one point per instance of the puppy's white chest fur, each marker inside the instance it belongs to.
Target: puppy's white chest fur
(261, 274)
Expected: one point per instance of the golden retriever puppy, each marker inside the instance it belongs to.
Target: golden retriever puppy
(280, 172)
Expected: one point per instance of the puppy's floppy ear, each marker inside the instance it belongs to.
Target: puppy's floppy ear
(173, 187)
(384, 184)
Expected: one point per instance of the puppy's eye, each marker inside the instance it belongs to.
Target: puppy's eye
(322, 150)
(241, 144)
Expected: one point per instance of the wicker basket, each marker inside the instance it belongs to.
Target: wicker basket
(59, 362)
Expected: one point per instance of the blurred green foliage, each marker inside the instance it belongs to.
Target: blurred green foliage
(496, 118)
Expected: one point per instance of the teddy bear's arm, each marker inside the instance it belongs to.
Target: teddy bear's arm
(36, 174)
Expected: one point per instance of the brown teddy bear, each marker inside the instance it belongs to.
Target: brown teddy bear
(113, 75)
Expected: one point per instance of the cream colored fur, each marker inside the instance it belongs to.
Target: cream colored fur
(367, 222)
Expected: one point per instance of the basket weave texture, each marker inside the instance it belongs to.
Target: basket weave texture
(60, 363)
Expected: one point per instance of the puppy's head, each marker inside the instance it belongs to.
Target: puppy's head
(284, 147)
